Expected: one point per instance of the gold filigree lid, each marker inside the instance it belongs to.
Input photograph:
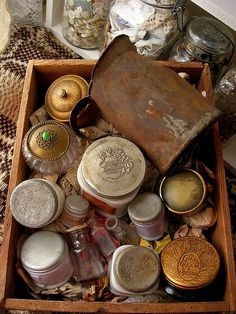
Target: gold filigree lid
(113, 166)
(190, 263)
(137, 269)
(63, 94)
(48, 140)
(183, 191)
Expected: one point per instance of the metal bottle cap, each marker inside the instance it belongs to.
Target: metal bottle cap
(137, 269)
(42, 250)
(63, 94)
(77, 204)
(145, 207)
(190, 262)
(183, 191)
(33, 203)
(113, 166)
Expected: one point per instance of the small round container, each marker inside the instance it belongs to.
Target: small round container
(190, 263)
(110, 174)
(50, 147)
(183, 191)
(147, 213)
(63, 94)
(45, 256)
(36, 202)
(134, 270)
(75, 211)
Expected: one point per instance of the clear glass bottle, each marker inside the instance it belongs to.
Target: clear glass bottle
(83, 22)
(88, 264)
(122, 231)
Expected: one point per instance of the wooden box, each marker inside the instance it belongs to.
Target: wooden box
(40, 74)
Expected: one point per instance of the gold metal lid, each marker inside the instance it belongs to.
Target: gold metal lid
(183, 191)
(137, 269)
(190, 263)
(63, 94)
(113, 166)
(48, 140)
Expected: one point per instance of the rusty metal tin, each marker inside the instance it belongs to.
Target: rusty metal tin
(183, 191)
(190, 263)
(63, 94)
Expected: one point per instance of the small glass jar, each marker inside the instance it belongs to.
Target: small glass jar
(36, 202)
(75, 211)
(87, 261)
(148, 214)
(45, 256)
(134, 270)
(83, 22)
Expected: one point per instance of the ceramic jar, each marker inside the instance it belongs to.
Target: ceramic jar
(36, 202)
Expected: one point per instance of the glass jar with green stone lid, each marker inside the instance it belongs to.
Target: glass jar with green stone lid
(83, 22)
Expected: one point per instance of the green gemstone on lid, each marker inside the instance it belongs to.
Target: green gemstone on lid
(46, 136)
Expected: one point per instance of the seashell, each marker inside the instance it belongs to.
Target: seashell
(71, 14)
(99, 11)
(87, 33)
(85, 14)
(71, 3)
(78, 12)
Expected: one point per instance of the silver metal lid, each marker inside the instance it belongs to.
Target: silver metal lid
(113, 166)
(77, 204)
(145, 207)
(42, 250)
(137, 269)
(33, 203)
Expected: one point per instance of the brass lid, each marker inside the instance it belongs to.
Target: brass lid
(137, 269)
(190, 262)
(63, 94)
(183, 191)
(48, 140)
(113, 166)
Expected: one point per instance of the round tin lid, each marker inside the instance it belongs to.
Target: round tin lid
(77, 204)
(190, 262)
(42, 250)
(33, 203)
(113, 166)
(145, 207)
(63, 94)
(183, 191)
(137, 269)
(48, 140)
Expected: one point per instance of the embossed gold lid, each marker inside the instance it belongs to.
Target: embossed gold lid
(137, 269)
(190, 263)
(183, 191)
(113, 166)
(63, 94)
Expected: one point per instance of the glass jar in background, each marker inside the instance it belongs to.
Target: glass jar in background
(205, 39)
(83, 22)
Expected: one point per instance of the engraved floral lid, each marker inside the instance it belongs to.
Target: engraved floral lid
(183, 191)
(190, 262)
(113, 166)
(63, 94)
(42, 250)
(33, 203)
(137, 269)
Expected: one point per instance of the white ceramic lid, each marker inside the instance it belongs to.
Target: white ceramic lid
(42, 250)
(113, 166)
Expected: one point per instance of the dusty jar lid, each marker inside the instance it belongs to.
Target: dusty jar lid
(113, 166)
(190, 263)
(137, 269)
(63, 94)
(183, 191)
(77, 205)
(145, 207)
(42, 250)
(34, 203)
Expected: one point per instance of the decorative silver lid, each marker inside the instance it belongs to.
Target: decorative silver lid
(145, 207)
(33, 203)
(113, 166)
(42, 250)
(77, 204)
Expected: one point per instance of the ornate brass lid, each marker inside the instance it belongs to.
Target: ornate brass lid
(137, 269)
(190, 262)
(183, 191)
(48, 140)
(63, 94)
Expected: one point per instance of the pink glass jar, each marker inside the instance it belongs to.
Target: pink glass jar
(147, 213)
